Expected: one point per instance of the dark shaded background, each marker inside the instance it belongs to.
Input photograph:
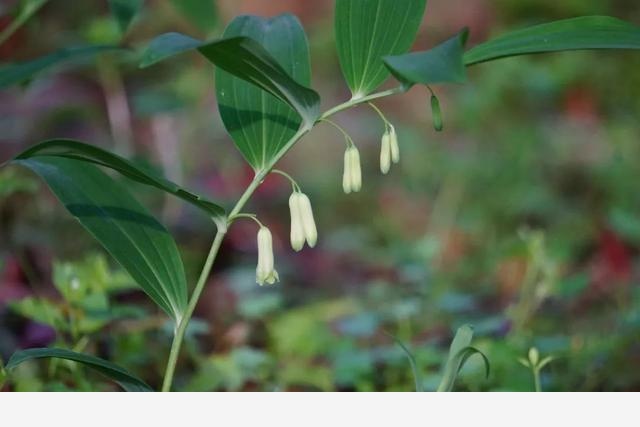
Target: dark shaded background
(521, 218)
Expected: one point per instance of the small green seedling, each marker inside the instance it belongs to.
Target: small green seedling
(536, 364)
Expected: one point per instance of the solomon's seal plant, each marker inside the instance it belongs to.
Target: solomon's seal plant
(262, 83)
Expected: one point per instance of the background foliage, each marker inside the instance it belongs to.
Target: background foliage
(520, 218)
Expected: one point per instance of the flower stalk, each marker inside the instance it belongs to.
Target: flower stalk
(222, 228)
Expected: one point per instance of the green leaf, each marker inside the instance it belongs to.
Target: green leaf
(11, 183)
(459, 352)
(544, 362)
(88, 153)
(167, 45)
(25, 10)
(441, 64)
(20, 73)
(260, 124)
(3, 374)
(124, 227)
(587, 32)
(124, 12)
(201, 13)
(367, 31)
(248, 60)
(467, 352)
(41, 311)
(124, 379)
(412, 362)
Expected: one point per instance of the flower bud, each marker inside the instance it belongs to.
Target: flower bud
(385, 153)
(395, 148)
(352, 175)
(308, 222)
(436, 113)
(356, 172)
(346, 174)
(297, 233)
(265, 272)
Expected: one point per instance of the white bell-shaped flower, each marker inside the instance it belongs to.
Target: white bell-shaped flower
(393, 142)
(265, 272)
(297, 232)
(385, 153)
(352, 175)
(389, 149)
(303, 225)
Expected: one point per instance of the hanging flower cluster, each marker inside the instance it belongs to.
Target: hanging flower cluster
(352, 175)
(303, 229)
(389, 149)
(303, 225)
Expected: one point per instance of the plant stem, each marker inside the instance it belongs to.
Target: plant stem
(356, 101)
(213, 252)
(377, 110)
(222, 228)
(340, 128)
(182, 325)
(293, 182)
(536, 379)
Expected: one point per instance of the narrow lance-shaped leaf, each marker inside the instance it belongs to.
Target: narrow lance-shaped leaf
(587, 32)
(246, 59)
(412, 362)
(89, 153)
(124, 227)
(459, 352)
(20, 73)
(260, 124)
(124, 379)
(367, 31)
(441, 64)
(24, 11)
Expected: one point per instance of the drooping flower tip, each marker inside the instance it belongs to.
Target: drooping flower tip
(308, 222)
(393, 142)
(265, 271)
(303, 226)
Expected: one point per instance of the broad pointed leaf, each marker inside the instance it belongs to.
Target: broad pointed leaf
(587, 32)
(441, 64)
(259, 123)
(89, 153)
(124, 227)
(20, 73)
(124, 379)
(246, 59)
(367, 31)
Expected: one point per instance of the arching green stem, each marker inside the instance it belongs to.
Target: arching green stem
(235, 213)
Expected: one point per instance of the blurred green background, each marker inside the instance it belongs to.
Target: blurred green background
(521, 218)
